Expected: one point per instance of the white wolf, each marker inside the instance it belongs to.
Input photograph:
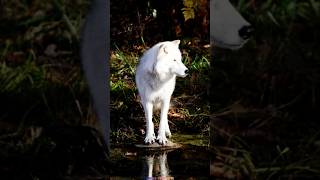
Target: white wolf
(227, 29)
(155, 78)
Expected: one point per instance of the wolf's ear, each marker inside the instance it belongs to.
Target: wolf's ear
(163, 49)
(176, 42)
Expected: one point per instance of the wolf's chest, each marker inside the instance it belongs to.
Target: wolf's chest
(165, 90)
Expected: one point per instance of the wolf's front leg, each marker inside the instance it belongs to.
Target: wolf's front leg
(163, 126)
(150, 136)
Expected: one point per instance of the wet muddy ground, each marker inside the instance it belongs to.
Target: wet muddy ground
(78, 153)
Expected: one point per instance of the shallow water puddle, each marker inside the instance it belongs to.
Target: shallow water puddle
(192, 160)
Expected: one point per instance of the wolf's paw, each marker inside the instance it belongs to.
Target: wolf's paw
(162, 139)
(150, 139)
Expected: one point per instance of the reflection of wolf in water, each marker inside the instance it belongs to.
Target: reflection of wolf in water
(156, 166)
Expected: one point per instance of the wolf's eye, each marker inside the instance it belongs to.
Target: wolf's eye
(174, 60)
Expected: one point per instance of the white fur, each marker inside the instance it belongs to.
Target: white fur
(155, 78)
(225, 23)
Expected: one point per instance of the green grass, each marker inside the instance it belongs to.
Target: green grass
(21, 78)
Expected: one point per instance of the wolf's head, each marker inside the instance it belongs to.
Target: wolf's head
(228, 29)
(169, 60)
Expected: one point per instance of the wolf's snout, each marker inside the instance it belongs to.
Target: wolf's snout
(186, 71)
(245, 32)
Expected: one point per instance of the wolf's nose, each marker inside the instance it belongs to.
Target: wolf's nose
(245, 32)
(186, 71)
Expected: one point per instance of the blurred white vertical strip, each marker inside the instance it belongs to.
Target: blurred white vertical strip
(95, 57)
